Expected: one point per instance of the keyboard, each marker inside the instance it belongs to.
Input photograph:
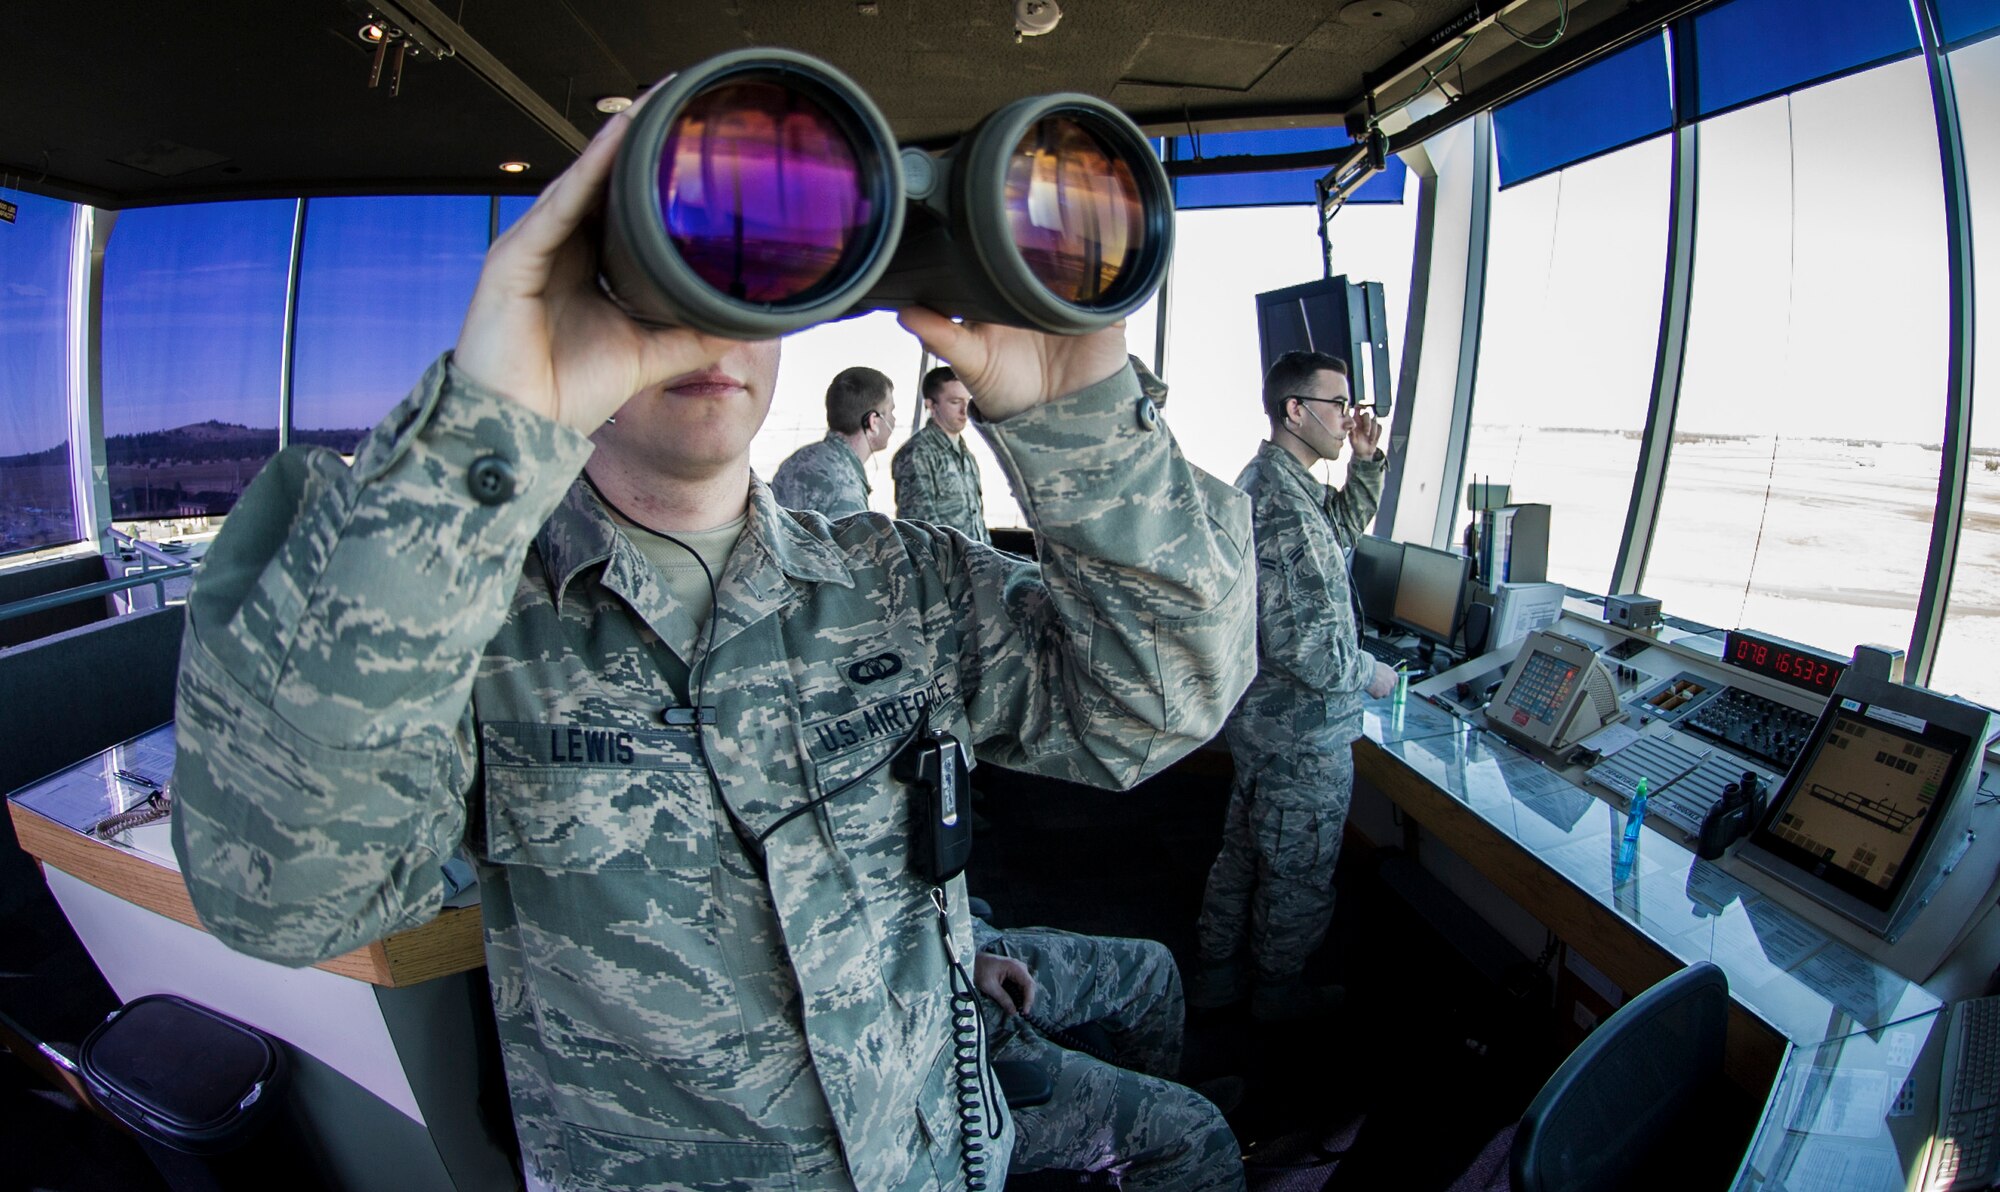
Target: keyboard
(1412, 659)
(1966, 1145)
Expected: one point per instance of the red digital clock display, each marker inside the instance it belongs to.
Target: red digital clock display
(1787, 662)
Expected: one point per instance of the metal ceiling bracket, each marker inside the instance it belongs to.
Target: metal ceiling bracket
(433, 34)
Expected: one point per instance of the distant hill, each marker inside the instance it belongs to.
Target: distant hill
(199, 442)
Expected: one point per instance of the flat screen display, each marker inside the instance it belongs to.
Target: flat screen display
(1543, 689)
(1427, 595)
(1858, 811)
(1378, 568)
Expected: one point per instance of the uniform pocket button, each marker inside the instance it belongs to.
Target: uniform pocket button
(491, 479)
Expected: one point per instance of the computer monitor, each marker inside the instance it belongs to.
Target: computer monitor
(1874, 811)
(1338, 317)
(1428, 592)
(1377, 570)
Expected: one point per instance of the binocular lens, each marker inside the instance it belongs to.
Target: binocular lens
(761, 192)
(1075, 211)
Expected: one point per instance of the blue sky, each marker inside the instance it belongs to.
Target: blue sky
(194, 307)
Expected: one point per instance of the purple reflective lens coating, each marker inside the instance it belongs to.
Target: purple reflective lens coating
(760, 191)
(1074, 209)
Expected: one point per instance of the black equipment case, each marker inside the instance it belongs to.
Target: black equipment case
(183, 1075)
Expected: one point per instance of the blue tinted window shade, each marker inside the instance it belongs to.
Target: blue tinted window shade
(37, 505)
(1751, 49)
(512, 207)
(1963, 20)
(1274, 187)
(1261, 143)
(1611, 103)
(194, 338)
(1284, 187)
(383, 287)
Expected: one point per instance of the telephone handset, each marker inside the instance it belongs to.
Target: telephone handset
(1557, 693)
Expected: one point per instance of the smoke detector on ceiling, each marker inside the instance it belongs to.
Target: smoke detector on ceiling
(1032, 18)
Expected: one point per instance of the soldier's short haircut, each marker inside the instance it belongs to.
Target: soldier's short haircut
(936, 379)
(1290, 373)
(853, 393)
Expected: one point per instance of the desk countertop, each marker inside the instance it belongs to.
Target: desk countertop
(52, 819)
(1832, 1034)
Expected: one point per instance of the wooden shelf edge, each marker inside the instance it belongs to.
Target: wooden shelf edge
(451, 943)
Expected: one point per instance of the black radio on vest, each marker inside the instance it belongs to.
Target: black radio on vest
(934, 763)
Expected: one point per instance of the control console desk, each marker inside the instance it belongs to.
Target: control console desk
(1828, 1022)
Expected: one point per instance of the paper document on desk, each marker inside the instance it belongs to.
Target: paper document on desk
(1854, 1105)
(1824, 1164)
(1610, 739)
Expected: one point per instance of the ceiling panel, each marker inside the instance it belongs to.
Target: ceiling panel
(125, 102)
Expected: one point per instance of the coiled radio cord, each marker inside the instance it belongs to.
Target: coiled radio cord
(972, 1080)
(158, 806)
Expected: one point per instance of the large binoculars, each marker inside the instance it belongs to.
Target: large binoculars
(762, 191)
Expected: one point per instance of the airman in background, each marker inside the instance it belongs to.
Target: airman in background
(1270, 893)
(828, 476)
(937, 479)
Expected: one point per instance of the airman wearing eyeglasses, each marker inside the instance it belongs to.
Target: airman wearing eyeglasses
(829, 476)
(1270, 892)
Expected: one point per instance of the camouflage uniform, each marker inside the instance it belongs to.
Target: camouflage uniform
(694, 988)
(937, 481)
(1126, 1114)
(1292, 735)
(825, 477)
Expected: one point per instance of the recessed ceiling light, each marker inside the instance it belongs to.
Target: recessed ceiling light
(611, 105)
(514, 167)
(373, 33)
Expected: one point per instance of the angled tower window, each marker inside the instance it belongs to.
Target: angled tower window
(194, 331)
(1963, 21)
(1222, 261)
(1575, 273)
(1270, 188)
(1971, 639)
(512, 208)
(383, 287)
(1804, 466)
(37, 505)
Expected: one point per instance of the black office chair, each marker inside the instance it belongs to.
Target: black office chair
(1606, 1117)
